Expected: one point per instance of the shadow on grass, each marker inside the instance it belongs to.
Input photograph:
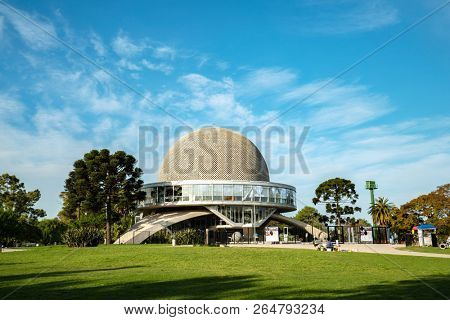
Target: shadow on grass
(13, 263)
(25, 276)
(193, 288)
(229, 287)
(427, 288)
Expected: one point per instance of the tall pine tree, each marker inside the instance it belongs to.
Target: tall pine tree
(103, 183)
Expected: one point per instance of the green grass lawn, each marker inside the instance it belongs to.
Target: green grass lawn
(164, 272)
(427, 250)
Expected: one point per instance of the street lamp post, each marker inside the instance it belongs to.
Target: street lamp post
(254, 223)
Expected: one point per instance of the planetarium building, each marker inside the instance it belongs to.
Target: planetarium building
(215, 181)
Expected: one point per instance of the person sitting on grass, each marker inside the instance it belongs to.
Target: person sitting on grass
(330, 245)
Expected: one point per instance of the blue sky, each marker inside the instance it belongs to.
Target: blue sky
(230, 63)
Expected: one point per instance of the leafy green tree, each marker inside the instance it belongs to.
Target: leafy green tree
(381, 211)
(103, 183)
(52, 230)
(363, 223)
(402, 222)
(352, 221)
(9, 226)
(17, 228)
(68, 213)
(18, 217)
(311, 216)
(125, 223)
(433, 208)
(15, 198)
(339, 197)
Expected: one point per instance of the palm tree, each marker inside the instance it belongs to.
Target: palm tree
(381, 211)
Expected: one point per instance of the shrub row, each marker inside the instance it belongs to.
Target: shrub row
(189, 236)
(83, 236)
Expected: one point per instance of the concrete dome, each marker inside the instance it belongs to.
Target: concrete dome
(214, 154)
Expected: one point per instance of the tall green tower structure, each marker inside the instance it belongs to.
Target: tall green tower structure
(371, 185)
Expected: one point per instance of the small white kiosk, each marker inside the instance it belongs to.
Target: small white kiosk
(426, 233)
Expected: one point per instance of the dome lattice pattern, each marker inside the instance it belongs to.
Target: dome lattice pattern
(214, 154)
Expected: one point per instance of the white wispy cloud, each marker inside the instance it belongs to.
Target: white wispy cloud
(45, 154)
(215, 97)
(400, 157)
(336, 105)
(53, 119)
(2, 26)
(260, 81)
(33, 36)
(124, 46)
(32, 59)
(164, 52)
(222, 65)
(36, 157)
(98, 44)
(202, 60)
(10, 106)
(164, 68)
(103, 127)
(104, 102)
(331, 17)
(101, 76)
(93, 91)
(199, 83)
(126, 64)
(75, 109)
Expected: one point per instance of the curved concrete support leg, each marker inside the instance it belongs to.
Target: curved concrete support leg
(317, 233)
(151, 224)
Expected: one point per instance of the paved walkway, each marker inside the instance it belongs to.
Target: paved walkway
(367, 248)
(5, 250)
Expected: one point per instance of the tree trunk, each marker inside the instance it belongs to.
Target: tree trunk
(108, 222)
(338, 215)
